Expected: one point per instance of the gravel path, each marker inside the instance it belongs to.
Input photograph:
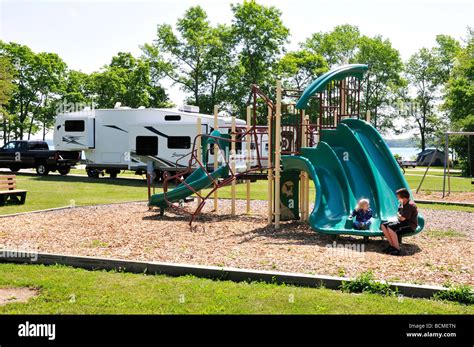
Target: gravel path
(442, 253)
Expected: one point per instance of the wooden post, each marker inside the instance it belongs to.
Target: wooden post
(270, 170)
(248, 156)
(216, 149)
(342, 91)
(367, 116)
(232, 153)
(277, 154)
(198, 144)
(318, 129)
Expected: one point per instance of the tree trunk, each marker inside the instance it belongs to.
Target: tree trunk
(423, 141)
(374, 119)
(31, 126)
(4, 130)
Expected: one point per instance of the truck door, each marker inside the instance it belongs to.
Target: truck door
(8, 153)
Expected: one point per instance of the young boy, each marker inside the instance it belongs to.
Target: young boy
(407, 222)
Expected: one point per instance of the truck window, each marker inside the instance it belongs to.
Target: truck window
(179, 142)
(10, 146)
(38, 146)
(146, 145)
(74, 126)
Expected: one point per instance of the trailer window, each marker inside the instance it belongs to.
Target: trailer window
(183, 142)
(147, 145)
(175, 118)
(74, 126)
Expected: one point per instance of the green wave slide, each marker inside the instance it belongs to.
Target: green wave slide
(198, 180)
(349, 163)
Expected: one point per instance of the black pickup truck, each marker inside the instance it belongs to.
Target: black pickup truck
(17, 155)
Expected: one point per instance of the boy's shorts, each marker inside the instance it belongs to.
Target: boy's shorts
(400, 228)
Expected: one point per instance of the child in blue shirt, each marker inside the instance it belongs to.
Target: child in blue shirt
(362, 214)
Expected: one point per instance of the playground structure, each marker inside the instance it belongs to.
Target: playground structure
(446, 166)
(316, 135)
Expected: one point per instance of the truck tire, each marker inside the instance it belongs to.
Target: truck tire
(42, 169)
(14, 168)
(93, 173)
(63, 171)
(158, 176)
(112, 172)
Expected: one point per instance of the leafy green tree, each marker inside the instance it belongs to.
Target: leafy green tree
(299, 68)
(338, 46)
(446, 50)
(6, 77)
(77, 88)
(197, 57)
(427, 71)
(382, 81)
(423, 74)
(6, 91)
(126, 80)
(220, 60)
(186, 51)
(459, 101)
(36, 78)
(260, 39)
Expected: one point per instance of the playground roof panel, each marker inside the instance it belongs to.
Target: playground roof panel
(337, 74)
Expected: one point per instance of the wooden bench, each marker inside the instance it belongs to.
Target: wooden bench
(8, 191)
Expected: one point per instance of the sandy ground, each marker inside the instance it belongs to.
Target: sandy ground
(443, 253)
(10, 295)
(454, 196)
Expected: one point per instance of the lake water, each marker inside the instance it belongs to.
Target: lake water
(407, 153)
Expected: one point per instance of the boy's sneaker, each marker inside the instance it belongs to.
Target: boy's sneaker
(396, 252)
(388, 249)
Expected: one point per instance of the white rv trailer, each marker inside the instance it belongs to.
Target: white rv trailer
(124, 138)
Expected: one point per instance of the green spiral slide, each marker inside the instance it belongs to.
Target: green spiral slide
(349, 163)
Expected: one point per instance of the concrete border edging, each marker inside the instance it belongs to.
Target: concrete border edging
(210, 272)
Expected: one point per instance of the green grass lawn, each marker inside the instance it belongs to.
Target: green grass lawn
(458, 184)
(57, 191)
(124, 173)
(433, 171)
(65, 290)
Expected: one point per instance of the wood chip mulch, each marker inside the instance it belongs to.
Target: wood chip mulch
(443, 253)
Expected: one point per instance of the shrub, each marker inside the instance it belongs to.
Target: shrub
(365, 283)
(462, 294)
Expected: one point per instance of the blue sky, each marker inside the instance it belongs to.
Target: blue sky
(86, 34)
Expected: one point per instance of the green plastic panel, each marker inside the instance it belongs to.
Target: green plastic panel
(337, 74)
